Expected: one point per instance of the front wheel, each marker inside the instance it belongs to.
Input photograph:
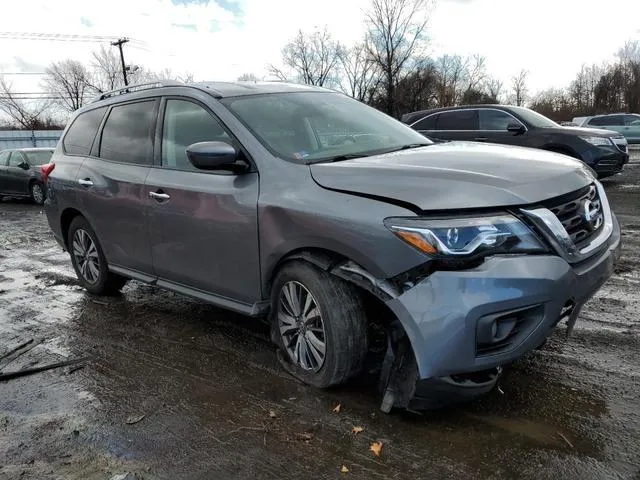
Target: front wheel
(37, 192)
(319, 324)
(89, 261)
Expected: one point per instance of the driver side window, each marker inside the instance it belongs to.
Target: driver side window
(15, 159)
(186, 123)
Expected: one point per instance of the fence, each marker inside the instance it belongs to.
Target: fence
(29, 138)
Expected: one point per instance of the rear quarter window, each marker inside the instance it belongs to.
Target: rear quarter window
(79, 137)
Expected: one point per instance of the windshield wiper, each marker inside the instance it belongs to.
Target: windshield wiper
(411, 145)
(340, 158)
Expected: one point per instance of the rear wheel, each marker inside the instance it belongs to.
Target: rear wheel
(37, 191)
(89, 261)
(319, 324)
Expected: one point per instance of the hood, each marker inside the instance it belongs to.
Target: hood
(593, 132)
(457, 175)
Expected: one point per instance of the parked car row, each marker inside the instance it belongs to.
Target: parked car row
(605, 151)
(323, 216)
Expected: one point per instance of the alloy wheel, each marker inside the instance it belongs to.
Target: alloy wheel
(86, 256)
(301, 326)
(37, 193)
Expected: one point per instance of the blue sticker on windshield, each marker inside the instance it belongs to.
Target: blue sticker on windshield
(301, 154)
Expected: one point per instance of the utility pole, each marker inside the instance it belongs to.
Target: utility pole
(119, 44)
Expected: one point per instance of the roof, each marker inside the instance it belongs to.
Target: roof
(217, 89)
(234, 89)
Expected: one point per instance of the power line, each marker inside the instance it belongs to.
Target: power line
(62, 37)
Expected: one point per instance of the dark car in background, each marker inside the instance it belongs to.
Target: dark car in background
(20, 174)
(604, 151)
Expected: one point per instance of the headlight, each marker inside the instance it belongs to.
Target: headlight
(466, 237)
(598, 141)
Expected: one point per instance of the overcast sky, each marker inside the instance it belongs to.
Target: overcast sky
(221, 39)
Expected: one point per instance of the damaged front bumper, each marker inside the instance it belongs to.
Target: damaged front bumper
(462, 326)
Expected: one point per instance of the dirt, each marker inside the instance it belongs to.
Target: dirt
(175, 388)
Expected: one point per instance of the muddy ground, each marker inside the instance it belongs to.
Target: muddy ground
(216, 405)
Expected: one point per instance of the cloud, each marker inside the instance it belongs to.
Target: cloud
(25, 66)
(86, 22)
(186, 26)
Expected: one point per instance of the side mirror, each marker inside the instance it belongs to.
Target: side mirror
(211, 155)
(516, 128)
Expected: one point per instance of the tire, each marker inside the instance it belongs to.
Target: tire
(337, 320)
(38, 193)
(93, 273)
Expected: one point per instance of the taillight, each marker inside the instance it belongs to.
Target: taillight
(46, 170)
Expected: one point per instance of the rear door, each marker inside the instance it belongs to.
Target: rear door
(493, 125)
(457, 125)
(111, 183)
(203, 223)
(4, 169)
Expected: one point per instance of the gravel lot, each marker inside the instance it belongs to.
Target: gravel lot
(216, 404)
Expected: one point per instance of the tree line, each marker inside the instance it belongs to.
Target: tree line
(389, 68)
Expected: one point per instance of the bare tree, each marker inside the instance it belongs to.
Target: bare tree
(452, 72)
(107, 71)
(28, 114)
(396, 33)
(277, 72)
(248, 77)
(361, 75)
(312, 57)
(519, 87)
(69, 81)
(476, 72)
(494, 88)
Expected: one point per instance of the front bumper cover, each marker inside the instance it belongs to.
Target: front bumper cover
(441, 314)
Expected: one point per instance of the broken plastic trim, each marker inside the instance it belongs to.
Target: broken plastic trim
(352, 272)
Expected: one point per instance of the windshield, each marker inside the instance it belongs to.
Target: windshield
(534, 118)
(316, 126)
(38, 157)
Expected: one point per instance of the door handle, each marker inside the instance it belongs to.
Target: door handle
(481, 139)
(159, 196)
(85, 182)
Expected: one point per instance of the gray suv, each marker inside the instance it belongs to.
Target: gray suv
(343, 227)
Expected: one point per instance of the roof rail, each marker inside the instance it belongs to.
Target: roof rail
(136, 88)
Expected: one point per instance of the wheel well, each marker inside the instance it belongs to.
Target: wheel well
(65, 222)
(321, 258)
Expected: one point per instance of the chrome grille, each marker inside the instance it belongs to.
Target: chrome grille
(621, 143)
(582, 216)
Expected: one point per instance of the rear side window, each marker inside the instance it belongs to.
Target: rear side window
(458, 120)
(127, 135)
(82, 131)
(611, 120)
(427, 123)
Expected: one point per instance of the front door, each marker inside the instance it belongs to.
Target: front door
(203, 224)
(16, 175)
(111, 184)
(493, 125)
